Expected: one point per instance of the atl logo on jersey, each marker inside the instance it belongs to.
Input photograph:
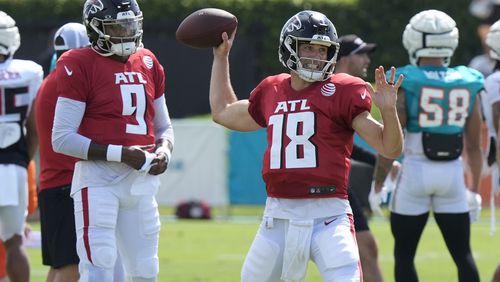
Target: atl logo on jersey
(129, 77)
(292, 106)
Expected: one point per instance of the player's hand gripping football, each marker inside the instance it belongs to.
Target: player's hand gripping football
(223, 49)
(385, 96)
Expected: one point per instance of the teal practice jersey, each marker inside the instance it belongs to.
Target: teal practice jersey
(439, 99)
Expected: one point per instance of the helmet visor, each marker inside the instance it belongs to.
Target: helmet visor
(123, 28)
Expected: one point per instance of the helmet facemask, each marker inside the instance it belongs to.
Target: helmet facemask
(119, 37)
(114, 27)
(312, 28)
(311, 69)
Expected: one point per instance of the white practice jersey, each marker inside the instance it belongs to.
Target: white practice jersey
(19, 83)
(490, 97)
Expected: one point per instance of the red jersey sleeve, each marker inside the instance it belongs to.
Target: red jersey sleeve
(160, 76)
(71, 78)
(255, 107)
(360, 100)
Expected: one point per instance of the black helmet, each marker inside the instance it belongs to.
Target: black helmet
(313, 28)
(113, 26)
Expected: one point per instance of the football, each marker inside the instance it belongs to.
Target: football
(204, 28)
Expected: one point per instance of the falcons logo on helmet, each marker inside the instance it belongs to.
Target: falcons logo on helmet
(293, 24)
(93, 6)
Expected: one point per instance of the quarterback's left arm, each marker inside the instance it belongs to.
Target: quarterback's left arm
(386, 138)
(164, 135)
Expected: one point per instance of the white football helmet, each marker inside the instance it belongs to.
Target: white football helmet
(430, 33)
(493, 40)
(10, 40)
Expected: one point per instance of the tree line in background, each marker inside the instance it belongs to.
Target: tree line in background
(260, 23)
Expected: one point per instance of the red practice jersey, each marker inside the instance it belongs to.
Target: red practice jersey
(56, 170)
(309, 134)
(119, 97)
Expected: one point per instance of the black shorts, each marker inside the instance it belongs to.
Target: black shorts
(360, 222)
(57, 222)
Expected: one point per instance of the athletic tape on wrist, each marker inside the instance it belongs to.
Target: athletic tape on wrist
(114, 153)
(166, 151)
(147, 162)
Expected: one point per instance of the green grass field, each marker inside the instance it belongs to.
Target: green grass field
(210, 251)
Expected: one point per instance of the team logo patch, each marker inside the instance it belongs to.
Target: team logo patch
(293, 24)
(328, 89)
(148, 61)
(68, 71)
(363, 96)
(93, 6)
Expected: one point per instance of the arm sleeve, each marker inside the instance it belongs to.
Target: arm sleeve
(67, 119)
(162, 124)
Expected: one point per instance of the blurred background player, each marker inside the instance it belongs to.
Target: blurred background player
(57, 219)
(32, 207)
(310, 116)
(437, 107)
(488, 11)
(496, 275)
(491, 107)
(354, 55)
(354, 59)
(110, 113)
(20, 82)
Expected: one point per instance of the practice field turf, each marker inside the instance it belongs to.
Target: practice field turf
(214, 250)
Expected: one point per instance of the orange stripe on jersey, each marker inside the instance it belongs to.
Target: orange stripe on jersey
(32, 193)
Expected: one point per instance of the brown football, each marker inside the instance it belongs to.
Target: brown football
(204, 28)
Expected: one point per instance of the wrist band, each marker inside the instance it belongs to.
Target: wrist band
(114, 153)
(147, 162)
